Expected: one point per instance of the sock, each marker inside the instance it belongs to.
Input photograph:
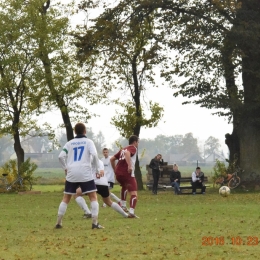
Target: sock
(61, 212)
(82, 203)
(114, 197)
(95, 210)
(118, 209)
(133, 201)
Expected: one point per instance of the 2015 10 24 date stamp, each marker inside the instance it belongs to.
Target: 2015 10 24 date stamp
(220, 241)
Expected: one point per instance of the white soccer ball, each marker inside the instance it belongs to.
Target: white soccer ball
(224, 191)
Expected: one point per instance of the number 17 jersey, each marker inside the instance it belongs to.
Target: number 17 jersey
(76, 159)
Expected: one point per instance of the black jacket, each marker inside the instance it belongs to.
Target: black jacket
(175, 175)
(155, 164)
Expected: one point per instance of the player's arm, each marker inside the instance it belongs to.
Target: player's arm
(62, 158)
(113, 162)
(101, 171)
(128, 160)
(93, 152)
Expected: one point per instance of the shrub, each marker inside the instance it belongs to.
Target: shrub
(26, 171)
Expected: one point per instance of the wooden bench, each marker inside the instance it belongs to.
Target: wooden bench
(185, 185)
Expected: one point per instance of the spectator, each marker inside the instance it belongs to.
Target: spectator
(197, 181)
(155, 166)
(175, 177)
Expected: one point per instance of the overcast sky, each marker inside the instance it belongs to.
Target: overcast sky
(178, 119)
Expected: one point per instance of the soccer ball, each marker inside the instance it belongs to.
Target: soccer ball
(224, 191)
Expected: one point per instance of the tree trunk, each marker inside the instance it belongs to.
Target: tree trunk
(137, 127)
(247, 26)
(250, 152)
(18, 148)
(44, 57)
(68, 126)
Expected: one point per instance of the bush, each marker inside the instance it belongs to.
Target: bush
(26, 171)
(219, 170)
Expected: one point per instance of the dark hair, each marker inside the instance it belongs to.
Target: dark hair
(105, 149)
(80, 129)
(198, 168)
(133, 138)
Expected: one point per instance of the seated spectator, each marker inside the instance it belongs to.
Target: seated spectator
(197, 181)
(175, 177)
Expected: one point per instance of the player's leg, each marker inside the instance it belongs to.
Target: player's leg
(104, 192)
(122, 179)
(82, 203)
(70, 189)
(132, 188)
(112, 195)
(90, 189)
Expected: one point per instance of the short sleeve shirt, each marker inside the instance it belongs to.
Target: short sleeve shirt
(122, 166)
(76, 159)
(109, 172)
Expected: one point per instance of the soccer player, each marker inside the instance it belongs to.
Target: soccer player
(75, 159)
(103, 190)
(110, 175)
(124, 170)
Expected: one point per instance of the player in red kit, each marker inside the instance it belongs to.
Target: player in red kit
(124, 171)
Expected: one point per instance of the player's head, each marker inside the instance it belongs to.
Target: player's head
(105, 152)
(134, 140)
(175, 167)
(80, 129)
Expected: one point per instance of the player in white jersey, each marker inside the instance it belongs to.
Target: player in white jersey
(109, 173)
(75, 159)
(103, 190)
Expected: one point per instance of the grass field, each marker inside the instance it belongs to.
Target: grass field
(170, 227)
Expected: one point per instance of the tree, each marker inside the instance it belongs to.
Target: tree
(211, 146)
(20, 80)
(189, 144)
(220, 42)
(122, 45)
(65, 81)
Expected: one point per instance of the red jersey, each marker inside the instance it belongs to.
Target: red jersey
(122, 166)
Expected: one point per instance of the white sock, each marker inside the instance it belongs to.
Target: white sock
(123, 203)
(61, 212)
(117, 208)
(132, 211)
(95, 210)
(82, 203)
(114, 197)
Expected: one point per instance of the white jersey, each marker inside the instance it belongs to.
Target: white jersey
(76, 159)
(109, 172)
(102, 180)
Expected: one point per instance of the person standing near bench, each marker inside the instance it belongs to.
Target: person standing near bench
(197, 181)
(175, 177)
(155, 164)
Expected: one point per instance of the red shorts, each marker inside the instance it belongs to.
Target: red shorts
(127, 182)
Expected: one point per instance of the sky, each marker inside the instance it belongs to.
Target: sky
(178, 119)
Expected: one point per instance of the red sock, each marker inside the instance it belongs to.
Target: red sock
(133, 201)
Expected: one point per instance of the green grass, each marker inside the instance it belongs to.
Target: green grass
(170, 227)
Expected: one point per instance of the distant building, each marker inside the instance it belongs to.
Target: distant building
(185, 158)
(215, 156)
